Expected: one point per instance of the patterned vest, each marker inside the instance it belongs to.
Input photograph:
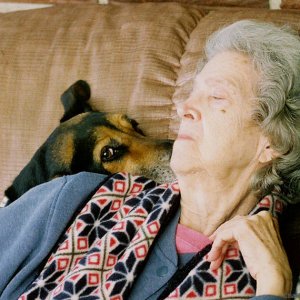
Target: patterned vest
(104, 249)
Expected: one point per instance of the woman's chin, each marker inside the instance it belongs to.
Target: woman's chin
(180, 167)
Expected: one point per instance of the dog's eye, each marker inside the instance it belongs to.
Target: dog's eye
(108, 153)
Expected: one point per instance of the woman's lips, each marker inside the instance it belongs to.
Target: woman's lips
(184, 137)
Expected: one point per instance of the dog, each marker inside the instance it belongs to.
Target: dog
(93, 141)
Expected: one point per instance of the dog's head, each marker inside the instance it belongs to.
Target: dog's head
(88, 140)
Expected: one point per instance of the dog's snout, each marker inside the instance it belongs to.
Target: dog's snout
(168, 144)
(166, 147)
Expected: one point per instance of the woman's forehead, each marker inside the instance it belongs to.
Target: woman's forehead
(229, 69)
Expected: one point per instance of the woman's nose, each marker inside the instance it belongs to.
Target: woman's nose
(186, 110)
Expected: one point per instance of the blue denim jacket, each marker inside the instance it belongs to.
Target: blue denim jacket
(31, 226)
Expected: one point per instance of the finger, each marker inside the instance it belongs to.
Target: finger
(217, 251)
(231, 224)
(222, 238)
(215, 264)
(217, 259)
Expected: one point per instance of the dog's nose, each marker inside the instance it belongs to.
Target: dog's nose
(168, 144)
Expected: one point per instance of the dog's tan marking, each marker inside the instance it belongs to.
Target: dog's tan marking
(122, 122)
(64, 148)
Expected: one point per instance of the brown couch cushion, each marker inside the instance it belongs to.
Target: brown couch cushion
(220, 3)
(129, 53)
(294, 4)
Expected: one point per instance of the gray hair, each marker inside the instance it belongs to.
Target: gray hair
(275, 54)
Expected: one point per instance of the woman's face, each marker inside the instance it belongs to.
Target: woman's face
(217, 133)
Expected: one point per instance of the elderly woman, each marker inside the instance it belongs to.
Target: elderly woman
(235, 157)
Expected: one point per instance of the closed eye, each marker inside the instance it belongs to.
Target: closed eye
(219, 102)
(217, 98)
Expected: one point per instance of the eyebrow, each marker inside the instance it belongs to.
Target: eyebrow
(211, 81)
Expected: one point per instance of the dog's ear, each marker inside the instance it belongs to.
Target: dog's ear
(74, 100)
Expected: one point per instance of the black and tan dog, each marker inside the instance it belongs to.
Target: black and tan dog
(87, 140)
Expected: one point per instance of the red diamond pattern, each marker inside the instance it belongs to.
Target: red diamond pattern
(120, 186)
(111, 261)
(230, 289)
(93, 278)
(211, 290)
(136, 188)
(116, 204)
(82, 243)
(153, 227)
(141, 251)
(62, 263)
(94, 259)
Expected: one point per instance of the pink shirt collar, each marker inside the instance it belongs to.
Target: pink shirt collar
(189, 240)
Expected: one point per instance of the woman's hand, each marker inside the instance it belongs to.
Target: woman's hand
(258, 239)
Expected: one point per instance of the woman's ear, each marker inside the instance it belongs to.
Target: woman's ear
(268, 153)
